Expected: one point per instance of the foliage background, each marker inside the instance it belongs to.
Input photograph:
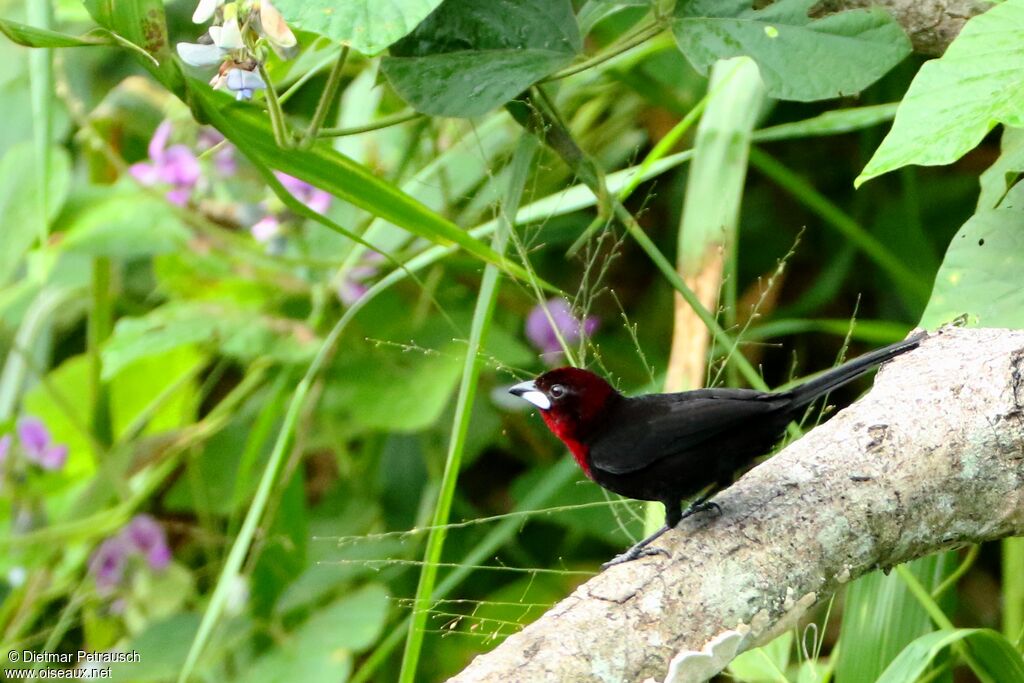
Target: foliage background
(298, 445)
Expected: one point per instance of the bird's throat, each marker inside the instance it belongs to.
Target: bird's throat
(565, 431)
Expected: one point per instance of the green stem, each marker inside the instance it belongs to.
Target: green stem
(277, 122)
(40, 14)
(538, 497)
(639, 37)
(240, 547)
(385, 122)
(99, 327)
(1013, 586)
(482, 316)
(327, 98)
(950, 581)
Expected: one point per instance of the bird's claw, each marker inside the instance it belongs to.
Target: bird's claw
(634, 554)
(702, 506)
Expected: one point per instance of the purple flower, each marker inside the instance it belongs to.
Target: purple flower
(145, 535)
(242, 82)
(541, 334)
(224, 158)
(176, 166)
(266, 229)
(36, 442)
(313, 197)
(108, 564)
(352, 287)
(5, 448)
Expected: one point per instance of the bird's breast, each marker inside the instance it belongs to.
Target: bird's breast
(566, 433)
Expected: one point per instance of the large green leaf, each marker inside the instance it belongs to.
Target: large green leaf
(994, 657)
(20, 201)
(800, 58)
(954, 101)
(238, 333)
(321, 649)
(471, 56)
(366, 25)
(125, 226)
(997, 178)
(980, 274)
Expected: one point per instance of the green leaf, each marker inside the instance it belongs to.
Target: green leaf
(994, 656)
(980, 274)
(800, 58)
(141, 26)
(321, 649)
(125, 226)
(237, 333)
(401, 392)
(366, 25)
(954, 101)
(997, 178)
(471, 56)
(765, 664)
(881, 616)
(30, 36)
(161, 647)
(329, 170)
(20, 201)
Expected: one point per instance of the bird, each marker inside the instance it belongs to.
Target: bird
(670, 447)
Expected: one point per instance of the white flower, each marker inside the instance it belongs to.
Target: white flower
(205, 10)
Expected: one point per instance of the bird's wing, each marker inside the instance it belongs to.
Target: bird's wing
(648, 428)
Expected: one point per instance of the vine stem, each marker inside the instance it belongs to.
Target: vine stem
(327, 97)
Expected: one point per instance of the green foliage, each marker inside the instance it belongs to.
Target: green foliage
(24, 217)
(996, 659)
(299, 409)
(954, 101)
(471, 56)
(367, 25)
(800, 58)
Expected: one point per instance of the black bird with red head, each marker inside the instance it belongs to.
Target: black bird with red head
(667, 447)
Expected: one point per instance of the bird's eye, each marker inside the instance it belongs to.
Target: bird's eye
(556, 391)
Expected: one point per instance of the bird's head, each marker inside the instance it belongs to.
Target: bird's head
(571, 401)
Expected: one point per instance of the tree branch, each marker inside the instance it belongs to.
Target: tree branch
(931, 24)
(931, 458)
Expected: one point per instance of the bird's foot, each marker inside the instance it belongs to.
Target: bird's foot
(702, 506)
(634, 553)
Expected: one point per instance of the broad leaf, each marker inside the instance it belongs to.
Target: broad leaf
(954, 101)
(20, 202)
(366, 25)
(980, 274)
(125, 226)
(237, 333)
(800, 58)
(30, 36)
(998, 177)
(321, 648)
(994, 657)
(471, 56)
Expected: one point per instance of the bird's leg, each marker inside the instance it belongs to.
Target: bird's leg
(673, 515)
(702, 504)
(640, 550)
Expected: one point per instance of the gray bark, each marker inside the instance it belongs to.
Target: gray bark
(930, 459)
(931, 24)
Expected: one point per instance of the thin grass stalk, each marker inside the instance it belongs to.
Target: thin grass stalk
(708, 229)
(482, 315)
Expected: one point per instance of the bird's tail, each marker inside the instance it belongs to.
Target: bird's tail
(837, 377)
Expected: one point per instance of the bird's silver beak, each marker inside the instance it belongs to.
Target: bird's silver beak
(528, 391)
